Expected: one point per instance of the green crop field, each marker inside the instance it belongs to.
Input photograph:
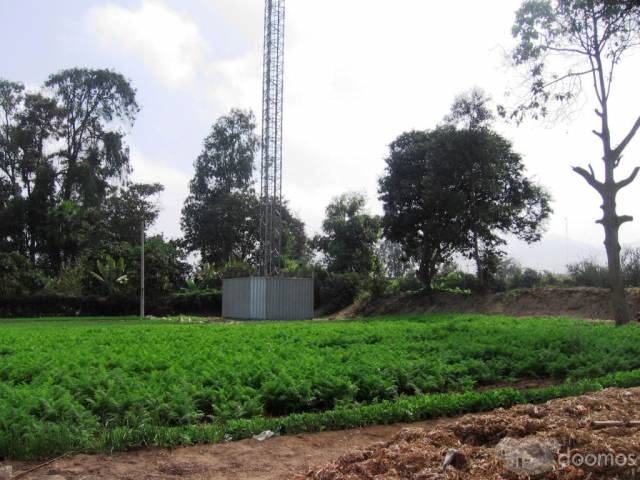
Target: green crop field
(104, 384)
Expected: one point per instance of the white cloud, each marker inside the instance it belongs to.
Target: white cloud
(168, 42)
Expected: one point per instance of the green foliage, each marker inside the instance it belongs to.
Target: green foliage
(218, 218)
(454, 190)
(18, 276)
(377, 285)
(70, 281)
(456, 281)
(335, 291)
(349, 237)
(51, 304)
(166, 269)
(406, 283)
(122, 383)
(111, 274)
(130, 208)
(221, 216)
(588, 273)
(562, 41)
(471, 110)
(207, 276)
(631, 267)
(192, 302)
(237, 269)
(64, 167)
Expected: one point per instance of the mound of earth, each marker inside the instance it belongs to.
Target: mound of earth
(558, 440)
(579, 302)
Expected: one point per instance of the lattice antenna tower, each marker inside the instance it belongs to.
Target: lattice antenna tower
(271, 161)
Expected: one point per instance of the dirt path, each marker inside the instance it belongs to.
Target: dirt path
(276, 458)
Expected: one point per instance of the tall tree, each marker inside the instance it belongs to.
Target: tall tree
(560, 43)
(26, 172)
(219, 215)
(349, 236)
(93, 104)
(450, 190)
(64, 163)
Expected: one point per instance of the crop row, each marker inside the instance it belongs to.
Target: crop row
(81, 385)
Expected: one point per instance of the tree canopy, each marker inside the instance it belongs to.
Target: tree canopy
(349, 236)
(448, 190)
(221, 216)
(64, 167)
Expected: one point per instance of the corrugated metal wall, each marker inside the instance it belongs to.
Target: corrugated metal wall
(267, 298)
(236, 298)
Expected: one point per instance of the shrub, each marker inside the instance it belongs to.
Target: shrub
(165, 267)
(631, 267)
(588, 273)
(337, 290)
(51, 304)
(377, 286)
(207, 277)
(407, 283)
(206, 302)
(199, 302)
(235, 268)
(71, 279)
(18, 276)
(456, 281)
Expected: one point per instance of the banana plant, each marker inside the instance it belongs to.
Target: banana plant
(111, 273)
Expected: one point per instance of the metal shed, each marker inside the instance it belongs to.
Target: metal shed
(267, 298)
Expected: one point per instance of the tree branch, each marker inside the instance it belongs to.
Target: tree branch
(568, 75)
(620, 148)
(589, 177)
(624, 183)
(566, 50)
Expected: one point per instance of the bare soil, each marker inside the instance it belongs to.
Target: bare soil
(276, 458)
(578, 302)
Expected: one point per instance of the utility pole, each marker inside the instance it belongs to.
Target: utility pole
(142, 269)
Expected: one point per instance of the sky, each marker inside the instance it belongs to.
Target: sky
(357, 74)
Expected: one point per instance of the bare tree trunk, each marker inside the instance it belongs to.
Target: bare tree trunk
(480, 270)
(611, 223)
(609, 188)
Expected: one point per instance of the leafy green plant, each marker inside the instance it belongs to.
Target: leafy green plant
(121, 383)
(111, 274)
